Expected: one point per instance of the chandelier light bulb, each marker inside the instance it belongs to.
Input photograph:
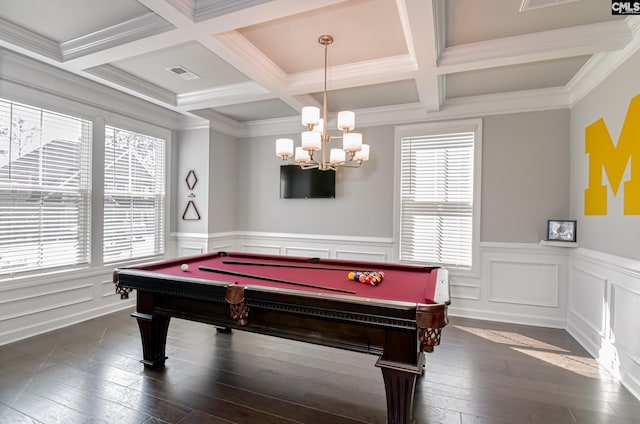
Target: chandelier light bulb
(284, 147)
(302, 156)
(363, 153)
(351, 142)
(337, 156)
(311, 141)
(310, 115)
(346, 120)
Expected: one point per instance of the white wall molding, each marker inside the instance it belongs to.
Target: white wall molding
(604, 310)
(34, 305)
(523, 283)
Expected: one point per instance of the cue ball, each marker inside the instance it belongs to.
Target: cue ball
(184, 267)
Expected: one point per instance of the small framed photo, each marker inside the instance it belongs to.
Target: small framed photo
(561, 230)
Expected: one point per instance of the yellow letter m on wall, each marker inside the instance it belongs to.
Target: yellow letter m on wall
(603, 154)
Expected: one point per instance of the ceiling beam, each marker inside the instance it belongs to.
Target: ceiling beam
(420, 22)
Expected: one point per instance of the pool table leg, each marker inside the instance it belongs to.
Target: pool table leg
(399, 384)
(153, 331)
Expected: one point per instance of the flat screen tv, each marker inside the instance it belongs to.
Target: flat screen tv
(298, 183)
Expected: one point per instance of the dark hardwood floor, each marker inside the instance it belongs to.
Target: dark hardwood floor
(483, 372)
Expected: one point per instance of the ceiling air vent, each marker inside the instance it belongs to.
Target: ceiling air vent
(183, 73)
(539, 4)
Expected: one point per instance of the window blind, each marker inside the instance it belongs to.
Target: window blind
(134, 191)
(436, 200)
(44, 188)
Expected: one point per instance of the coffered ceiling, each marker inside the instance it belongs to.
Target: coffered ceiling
(255, 63)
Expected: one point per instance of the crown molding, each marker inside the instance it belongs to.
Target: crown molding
(124, 79)
(505, 103)
(601, 65)
(547, 45)
(376, 71)
(29, 41)
(460, 108)
(221, 96)
(124, 32)
(272, 127)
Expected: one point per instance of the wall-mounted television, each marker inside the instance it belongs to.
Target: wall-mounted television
(298, 183)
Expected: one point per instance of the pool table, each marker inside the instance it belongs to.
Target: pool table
(310, 300)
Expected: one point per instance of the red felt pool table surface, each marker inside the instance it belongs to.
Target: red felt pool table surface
(399, 319)
(405, 283)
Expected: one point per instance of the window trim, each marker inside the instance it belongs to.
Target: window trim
(431, 128)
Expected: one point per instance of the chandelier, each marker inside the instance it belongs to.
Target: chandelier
(316, 139)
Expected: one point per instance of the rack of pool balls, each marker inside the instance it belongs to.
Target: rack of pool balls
(372, 278)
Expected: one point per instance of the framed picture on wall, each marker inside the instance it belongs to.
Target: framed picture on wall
(561, 230)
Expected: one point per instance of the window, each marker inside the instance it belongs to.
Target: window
(134, 190)
(44, 188)
(438, 197)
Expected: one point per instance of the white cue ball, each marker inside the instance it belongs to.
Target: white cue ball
(184, 267)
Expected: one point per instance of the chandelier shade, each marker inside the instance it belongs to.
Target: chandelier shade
(314, 141)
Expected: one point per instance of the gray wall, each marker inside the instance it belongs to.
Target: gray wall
(525, 174)
(615, 232)
(364, 197)
(525, 182)
(221, 213)
(193, 154)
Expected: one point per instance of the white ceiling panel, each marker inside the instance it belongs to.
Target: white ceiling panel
(530, 76)
(362, 30)
(152, 66)
(470, 21)
(265, 109)
(392, 93)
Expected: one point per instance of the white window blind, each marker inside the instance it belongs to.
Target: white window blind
(44, 188)
(134, 192)
(436, 200)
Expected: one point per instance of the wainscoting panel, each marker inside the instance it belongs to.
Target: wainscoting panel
(33, 305)
(523, 283)
(351, 255)
(625, 309)
(588, 299)
(516, 282)
(465, 291)
(261, 248)
(307, 252)
(604, 312)
(191, 250)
